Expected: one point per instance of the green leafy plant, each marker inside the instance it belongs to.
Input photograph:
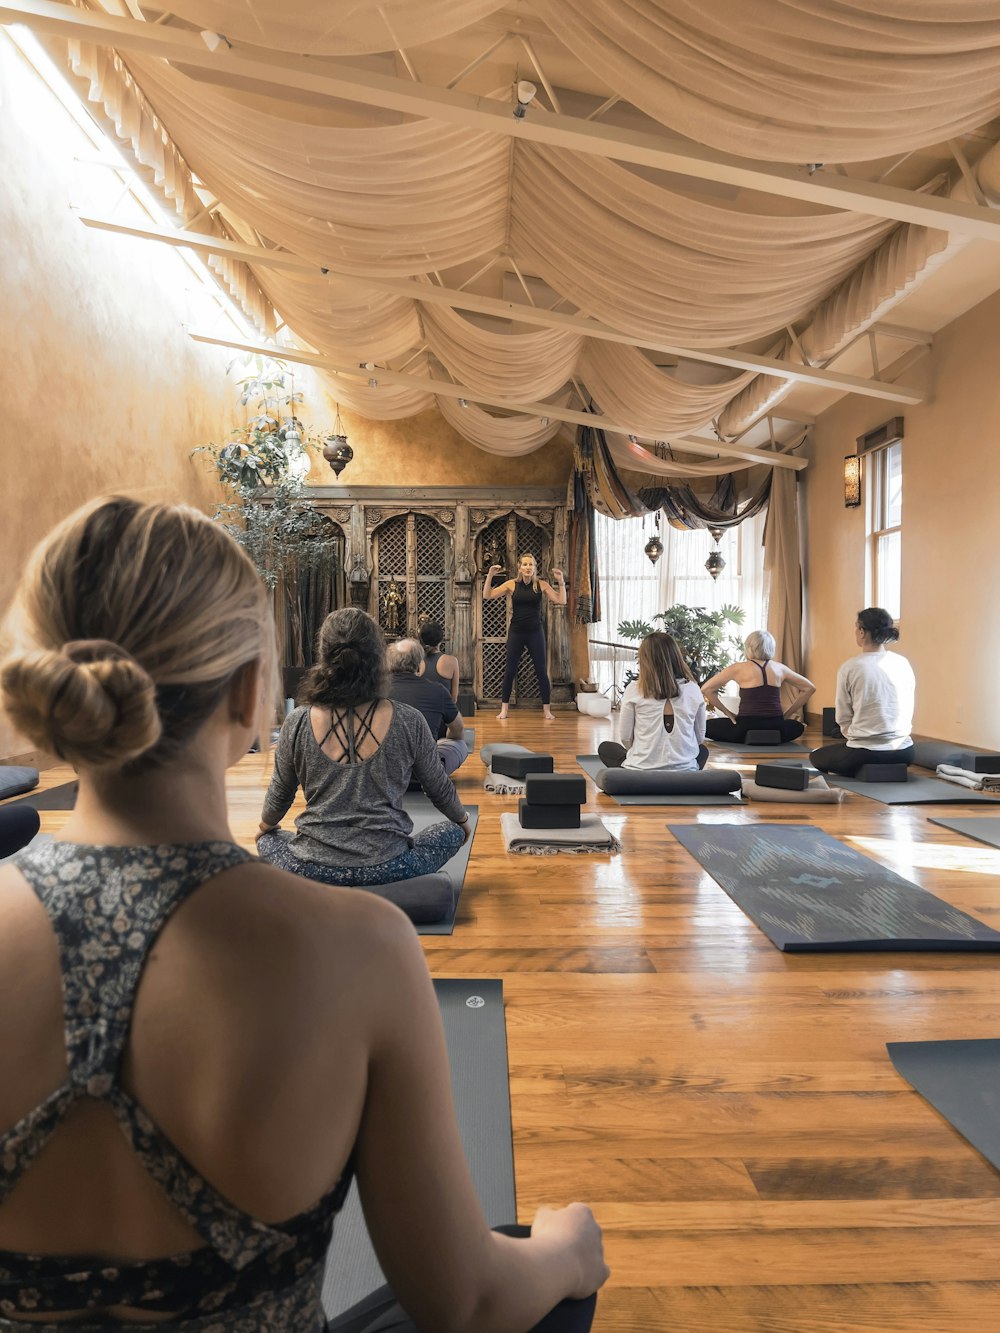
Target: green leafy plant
(705, 637)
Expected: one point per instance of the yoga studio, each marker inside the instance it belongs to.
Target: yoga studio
(499, 728)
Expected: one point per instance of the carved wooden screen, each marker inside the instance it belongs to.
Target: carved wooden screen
(505, 538)
(410, 557)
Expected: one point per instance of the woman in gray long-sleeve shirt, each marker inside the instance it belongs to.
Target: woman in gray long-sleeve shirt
(354, 752)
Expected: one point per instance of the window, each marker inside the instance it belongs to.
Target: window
(885, 528)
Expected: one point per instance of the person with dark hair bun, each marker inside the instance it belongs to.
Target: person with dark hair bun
(353, 751)
(439, 666)
(874, 702)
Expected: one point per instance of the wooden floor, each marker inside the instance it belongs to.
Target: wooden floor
(729, 1111)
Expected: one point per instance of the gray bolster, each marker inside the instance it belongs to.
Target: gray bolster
(501, 747)
(424, 898)
(667, 782)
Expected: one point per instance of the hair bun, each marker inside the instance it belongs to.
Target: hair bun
(91, 704)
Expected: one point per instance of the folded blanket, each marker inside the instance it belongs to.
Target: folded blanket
(817, 793)
(502, 785)
(591, 836)
(966, 778)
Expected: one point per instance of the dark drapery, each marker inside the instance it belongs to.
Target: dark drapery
(582, 577)
(684, 509)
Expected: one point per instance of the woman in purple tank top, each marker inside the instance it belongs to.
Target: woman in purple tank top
(760, 679)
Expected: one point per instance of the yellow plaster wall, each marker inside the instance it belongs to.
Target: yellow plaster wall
(950, 559)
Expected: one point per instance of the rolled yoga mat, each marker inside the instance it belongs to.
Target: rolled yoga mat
(424, 813)
(917, 790)
(961, 1080)
(472, 1012)
(985, 828)
(591, 764)
(62, 797)
(810, 893)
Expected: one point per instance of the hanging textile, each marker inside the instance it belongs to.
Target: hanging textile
(783, 570)
(583, 582)
(684, 509)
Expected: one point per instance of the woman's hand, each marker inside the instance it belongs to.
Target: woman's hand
(558, 574)
(574, 1230)
(466, 826)
(264, 828)
(494, 570)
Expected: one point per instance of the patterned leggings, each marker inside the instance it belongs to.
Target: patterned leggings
(431, 848)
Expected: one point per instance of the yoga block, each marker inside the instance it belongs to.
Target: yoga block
(985, 763)
(793, 777)
(882, 773)
(548, 816)
(466, 703)
(555, 789)
(830, 727)
(520, 765)
(762, 738)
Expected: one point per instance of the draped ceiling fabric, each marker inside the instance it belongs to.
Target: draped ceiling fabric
(656, 257)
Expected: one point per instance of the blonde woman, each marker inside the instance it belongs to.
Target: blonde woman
(525, 632)
(760, 679)
(662, 719)
(176, 1139)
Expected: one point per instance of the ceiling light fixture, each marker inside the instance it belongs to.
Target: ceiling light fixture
(525, 96)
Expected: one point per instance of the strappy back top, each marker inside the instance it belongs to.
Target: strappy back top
(761, 700)
(348, 736)
(107, 905)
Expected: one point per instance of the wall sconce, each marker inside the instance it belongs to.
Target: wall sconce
(852, 481)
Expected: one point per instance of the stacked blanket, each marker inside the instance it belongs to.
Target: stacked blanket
(591, 836)
(966, 778)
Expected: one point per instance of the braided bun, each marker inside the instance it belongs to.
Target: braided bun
(91, 704)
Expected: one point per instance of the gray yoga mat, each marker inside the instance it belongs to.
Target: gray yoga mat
(917, 791)
(62, 797)
(810, 893)
(423, 813)
(985, 828)
(590, 764)
(472, 1012)
(961, 1080)
(789, 747)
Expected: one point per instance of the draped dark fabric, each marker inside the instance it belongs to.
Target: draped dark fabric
(307, 597)
(582, 577)
(684, 509)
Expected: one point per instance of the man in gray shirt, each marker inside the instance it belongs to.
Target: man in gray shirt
(405, 659)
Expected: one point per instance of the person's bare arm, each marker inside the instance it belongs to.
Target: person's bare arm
(449, 668)
(489, 591)
(713, 685)
(557, 594)
(803, 689)
(449, 1271)
(456, 728)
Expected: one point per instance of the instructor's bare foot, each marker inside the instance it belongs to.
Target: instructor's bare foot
(502, 715)
(548, 715)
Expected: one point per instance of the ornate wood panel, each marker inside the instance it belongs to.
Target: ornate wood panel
(410, 567)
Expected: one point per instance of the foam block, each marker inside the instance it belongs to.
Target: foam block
(830, 727)
(882, 773)
(520, 765)
(548, 816)
(555, 788)
(792, 777)
(762, 737)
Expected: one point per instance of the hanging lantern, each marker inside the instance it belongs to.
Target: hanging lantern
(715, 564)
(716, 534)
(337, 452)
(653, 549)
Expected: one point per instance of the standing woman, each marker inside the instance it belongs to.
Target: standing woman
(526, 631)
(874, 702)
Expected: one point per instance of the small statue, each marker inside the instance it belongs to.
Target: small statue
(392, 599)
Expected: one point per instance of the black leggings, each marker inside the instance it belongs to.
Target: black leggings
(735, 733)
(612, 754)
(845, 760)
(380, 1312)
(17, 827)
(534, 641)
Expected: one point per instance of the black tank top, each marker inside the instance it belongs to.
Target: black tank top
(527, 607)
(761, 700)
(431, 671)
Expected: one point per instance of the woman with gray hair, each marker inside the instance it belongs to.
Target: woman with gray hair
(760, 679)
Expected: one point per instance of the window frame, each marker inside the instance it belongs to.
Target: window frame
(879, 528)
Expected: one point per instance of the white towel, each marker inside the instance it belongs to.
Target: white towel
(965, 777)
(591, 836)
(502, 785)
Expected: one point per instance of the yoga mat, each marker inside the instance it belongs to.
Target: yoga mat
(62, 797)
(590, 763)
(423, 813)
(472, 1012)
(961, 1080)
(917, 791)
(789, 747)
(810, 893)
(985, 828)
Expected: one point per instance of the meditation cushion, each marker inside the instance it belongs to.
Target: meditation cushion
(548, 816)
(488, 752)
(555, 788)
(14, 780)
(817, 793)
(882, 773)
(790, 777)
(520, 765)
(762, 737)
(424, 898)
(667, 782)
(594, 705)
(928, 754)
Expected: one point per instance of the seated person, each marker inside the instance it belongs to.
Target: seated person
(176, 1140)
(353, 752)
(407, 685)
(440, 667)
(662, 720)
(760, 679)
(874, 702)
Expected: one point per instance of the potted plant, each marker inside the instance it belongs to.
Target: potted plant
(705, 637)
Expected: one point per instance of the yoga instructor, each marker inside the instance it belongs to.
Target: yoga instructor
(525, 632)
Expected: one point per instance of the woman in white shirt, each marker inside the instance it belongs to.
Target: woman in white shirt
(874, 702)
(662, 722)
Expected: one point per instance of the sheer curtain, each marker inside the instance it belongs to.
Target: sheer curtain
(634, 589)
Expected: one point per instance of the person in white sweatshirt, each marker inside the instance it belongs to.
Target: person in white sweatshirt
(874, 702)
(662, 721)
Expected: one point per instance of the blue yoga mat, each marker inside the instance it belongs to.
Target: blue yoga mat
(810, 893)
(961, 1080)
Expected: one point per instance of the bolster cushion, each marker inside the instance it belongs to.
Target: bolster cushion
(14, 780)
(424, 898)
(928, 754)
(667, 781)
(487, 753)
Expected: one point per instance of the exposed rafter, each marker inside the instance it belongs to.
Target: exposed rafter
(525, 314)
(279, 74)
(448, 389)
